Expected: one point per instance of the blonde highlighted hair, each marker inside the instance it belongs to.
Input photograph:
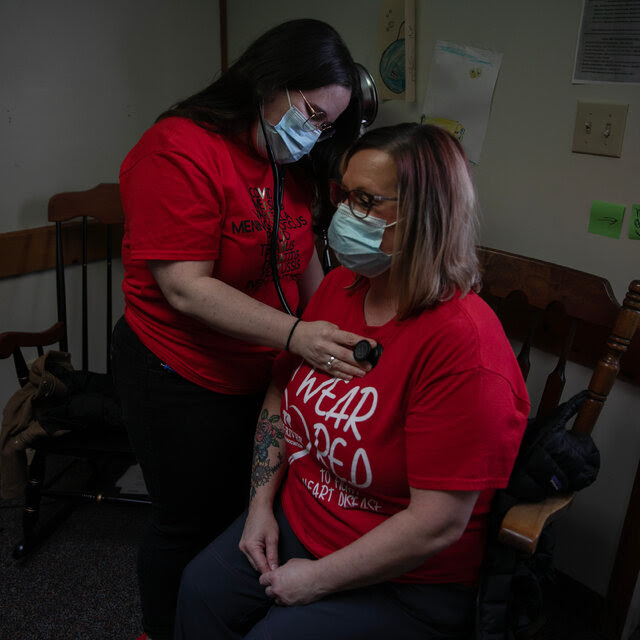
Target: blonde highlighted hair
(434, 250)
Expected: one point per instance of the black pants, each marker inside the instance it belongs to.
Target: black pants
(221, 599)
(194, 447)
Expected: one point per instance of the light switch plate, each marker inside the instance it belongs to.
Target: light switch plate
(599, 128)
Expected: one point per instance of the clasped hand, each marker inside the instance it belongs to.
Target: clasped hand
(293, 583)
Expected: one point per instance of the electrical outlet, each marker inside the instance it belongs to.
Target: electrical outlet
(599, 128)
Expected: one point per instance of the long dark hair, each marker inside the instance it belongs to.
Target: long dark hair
(298, 54)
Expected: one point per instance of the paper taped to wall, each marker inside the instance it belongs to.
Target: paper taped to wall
(460, 89)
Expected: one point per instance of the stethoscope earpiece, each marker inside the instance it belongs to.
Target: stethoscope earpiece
(369, 96)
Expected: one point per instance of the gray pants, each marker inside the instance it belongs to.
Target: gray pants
(221, 599)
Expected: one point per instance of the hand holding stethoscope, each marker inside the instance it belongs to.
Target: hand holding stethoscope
(328, 348)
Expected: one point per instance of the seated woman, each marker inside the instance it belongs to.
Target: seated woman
(370, 496)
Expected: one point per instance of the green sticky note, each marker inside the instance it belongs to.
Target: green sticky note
(606, 218)
(634, 226)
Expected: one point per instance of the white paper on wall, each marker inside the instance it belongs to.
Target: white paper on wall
(460, 91)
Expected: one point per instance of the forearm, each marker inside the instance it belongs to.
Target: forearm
(259, 541)
(231, 312)
(432, 521)
(269, 452)
(189, 288)
(391, 549)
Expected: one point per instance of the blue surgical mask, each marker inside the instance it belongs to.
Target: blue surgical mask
(291, 138)
(356, 242)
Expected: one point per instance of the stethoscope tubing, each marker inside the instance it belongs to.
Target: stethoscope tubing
(278, 197)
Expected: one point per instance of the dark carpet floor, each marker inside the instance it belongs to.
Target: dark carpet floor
(80, 584)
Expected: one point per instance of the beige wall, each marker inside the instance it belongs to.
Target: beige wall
(535, 193)
(79, 83)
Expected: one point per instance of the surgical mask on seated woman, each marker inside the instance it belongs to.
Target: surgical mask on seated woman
(290, 139)
(356, 242)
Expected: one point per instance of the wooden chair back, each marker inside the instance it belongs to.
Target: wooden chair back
(100, 210)
(568, 313)
(95, 236)
(575, 317)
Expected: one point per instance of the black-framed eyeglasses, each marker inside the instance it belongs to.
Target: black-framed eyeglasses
(318, 120)
(360, 202)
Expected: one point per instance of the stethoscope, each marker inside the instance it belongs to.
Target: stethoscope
(278, 196)
(369, 112)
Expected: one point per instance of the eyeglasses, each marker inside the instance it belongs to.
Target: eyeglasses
(360, 202)
(318, 120)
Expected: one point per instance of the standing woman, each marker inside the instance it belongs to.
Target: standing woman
(203, 321)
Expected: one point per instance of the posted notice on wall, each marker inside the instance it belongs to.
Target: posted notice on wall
(608, 47)
(460, 91)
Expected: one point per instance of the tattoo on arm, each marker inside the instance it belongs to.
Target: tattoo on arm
(268, 433)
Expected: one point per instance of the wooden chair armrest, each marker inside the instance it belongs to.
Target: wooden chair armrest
(523, 524)
(12, 340)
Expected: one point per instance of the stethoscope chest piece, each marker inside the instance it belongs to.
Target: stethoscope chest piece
(364, 352)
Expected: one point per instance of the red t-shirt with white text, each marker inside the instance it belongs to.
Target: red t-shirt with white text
(192, 195)
(444, 409)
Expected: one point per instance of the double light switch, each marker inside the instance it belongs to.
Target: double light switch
(599, 128)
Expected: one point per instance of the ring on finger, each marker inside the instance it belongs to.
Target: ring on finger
(330, 363)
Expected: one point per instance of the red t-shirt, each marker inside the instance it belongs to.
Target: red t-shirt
(190, 194)
(444, 409)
